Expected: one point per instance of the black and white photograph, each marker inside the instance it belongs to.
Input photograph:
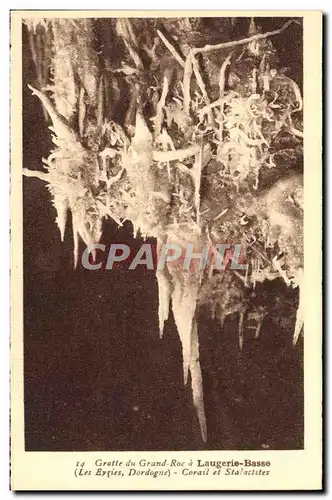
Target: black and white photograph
(163, 235)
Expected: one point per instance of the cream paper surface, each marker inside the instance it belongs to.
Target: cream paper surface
(288, 470)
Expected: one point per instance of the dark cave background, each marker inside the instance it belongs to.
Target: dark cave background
(96, 374)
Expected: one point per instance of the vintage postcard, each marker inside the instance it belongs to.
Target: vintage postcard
(166, 310)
